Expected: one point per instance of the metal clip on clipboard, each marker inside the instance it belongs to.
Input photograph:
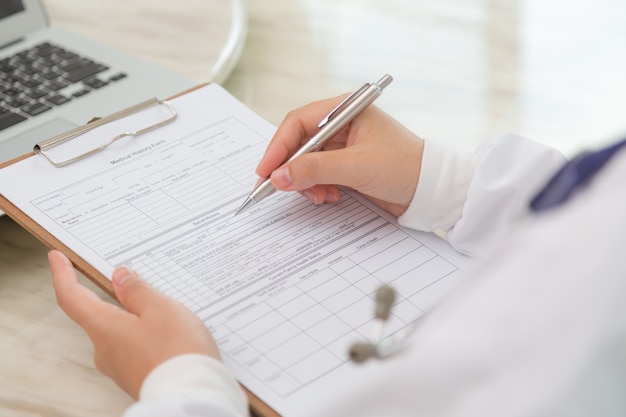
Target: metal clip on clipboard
(43, 147)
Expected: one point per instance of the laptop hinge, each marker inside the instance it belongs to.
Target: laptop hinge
(13, 42)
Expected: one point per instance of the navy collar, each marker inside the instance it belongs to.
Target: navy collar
(573, 175)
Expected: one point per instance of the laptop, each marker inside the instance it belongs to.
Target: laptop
(52, 80)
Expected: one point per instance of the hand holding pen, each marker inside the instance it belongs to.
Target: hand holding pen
(369, 152)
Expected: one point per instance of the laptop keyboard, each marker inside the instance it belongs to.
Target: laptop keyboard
(35, 80)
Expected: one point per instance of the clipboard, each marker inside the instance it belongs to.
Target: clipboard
(257, 406)
(286, 288)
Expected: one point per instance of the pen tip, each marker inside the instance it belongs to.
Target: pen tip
(249, 201)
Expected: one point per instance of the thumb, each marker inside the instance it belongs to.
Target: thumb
(132, 292)
(318, 168)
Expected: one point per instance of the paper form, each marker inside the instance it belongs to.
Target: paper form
(285, 287)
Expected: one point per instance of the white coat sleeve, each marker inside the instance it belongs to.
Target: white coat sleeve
(190, 385)
(476, 198)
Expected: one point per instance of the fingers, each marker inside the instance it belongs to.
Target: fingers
(328, 167)
(78, 302)
(323, 194)
(133, 293)
(85, 307)
(297, 127)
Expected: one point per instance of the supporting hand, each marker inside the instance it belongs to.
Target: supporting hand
(129, 342)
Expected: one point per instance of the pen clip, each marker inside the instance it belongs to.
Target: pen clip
(343, 104)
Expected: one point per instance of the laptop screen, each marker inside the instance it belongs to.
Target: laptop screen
(9, 7)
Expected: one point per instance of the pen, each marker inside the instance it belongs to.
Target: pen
(336, 120)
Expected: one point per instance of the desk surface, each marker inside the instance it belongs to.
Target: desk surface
(463, 71)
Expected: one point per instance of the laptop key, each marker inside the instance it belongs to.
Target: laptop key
(36, 93)
(17, 102)
(35, 108)
(56, 85)
(11, 92)
(44, 49)
(57, 99)
(76, 64)
(94, 83)
(84, 72)
(81, 93)
(10, 119)
(31, 83)
(66, 55)
(118, 76)
(28, 70)
(50, 75)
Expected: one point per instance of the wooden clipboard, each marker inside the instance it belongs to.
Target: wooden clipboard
(257, 406)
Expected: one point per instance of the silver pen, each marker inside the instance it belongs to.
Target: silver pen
(336, 120)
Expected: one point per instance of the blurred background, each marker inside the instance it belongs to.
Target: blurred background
(465, 70)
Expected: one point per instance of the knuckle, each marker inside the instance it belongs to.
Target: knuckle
(292, 115)
(61, 300)
(99, 362)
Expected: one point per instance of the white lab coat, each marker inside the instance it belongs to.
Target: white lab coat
(537, 329)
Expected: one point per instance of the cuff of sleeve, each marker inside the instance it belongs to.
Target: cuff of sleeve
(441, 190)
(198, 377)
